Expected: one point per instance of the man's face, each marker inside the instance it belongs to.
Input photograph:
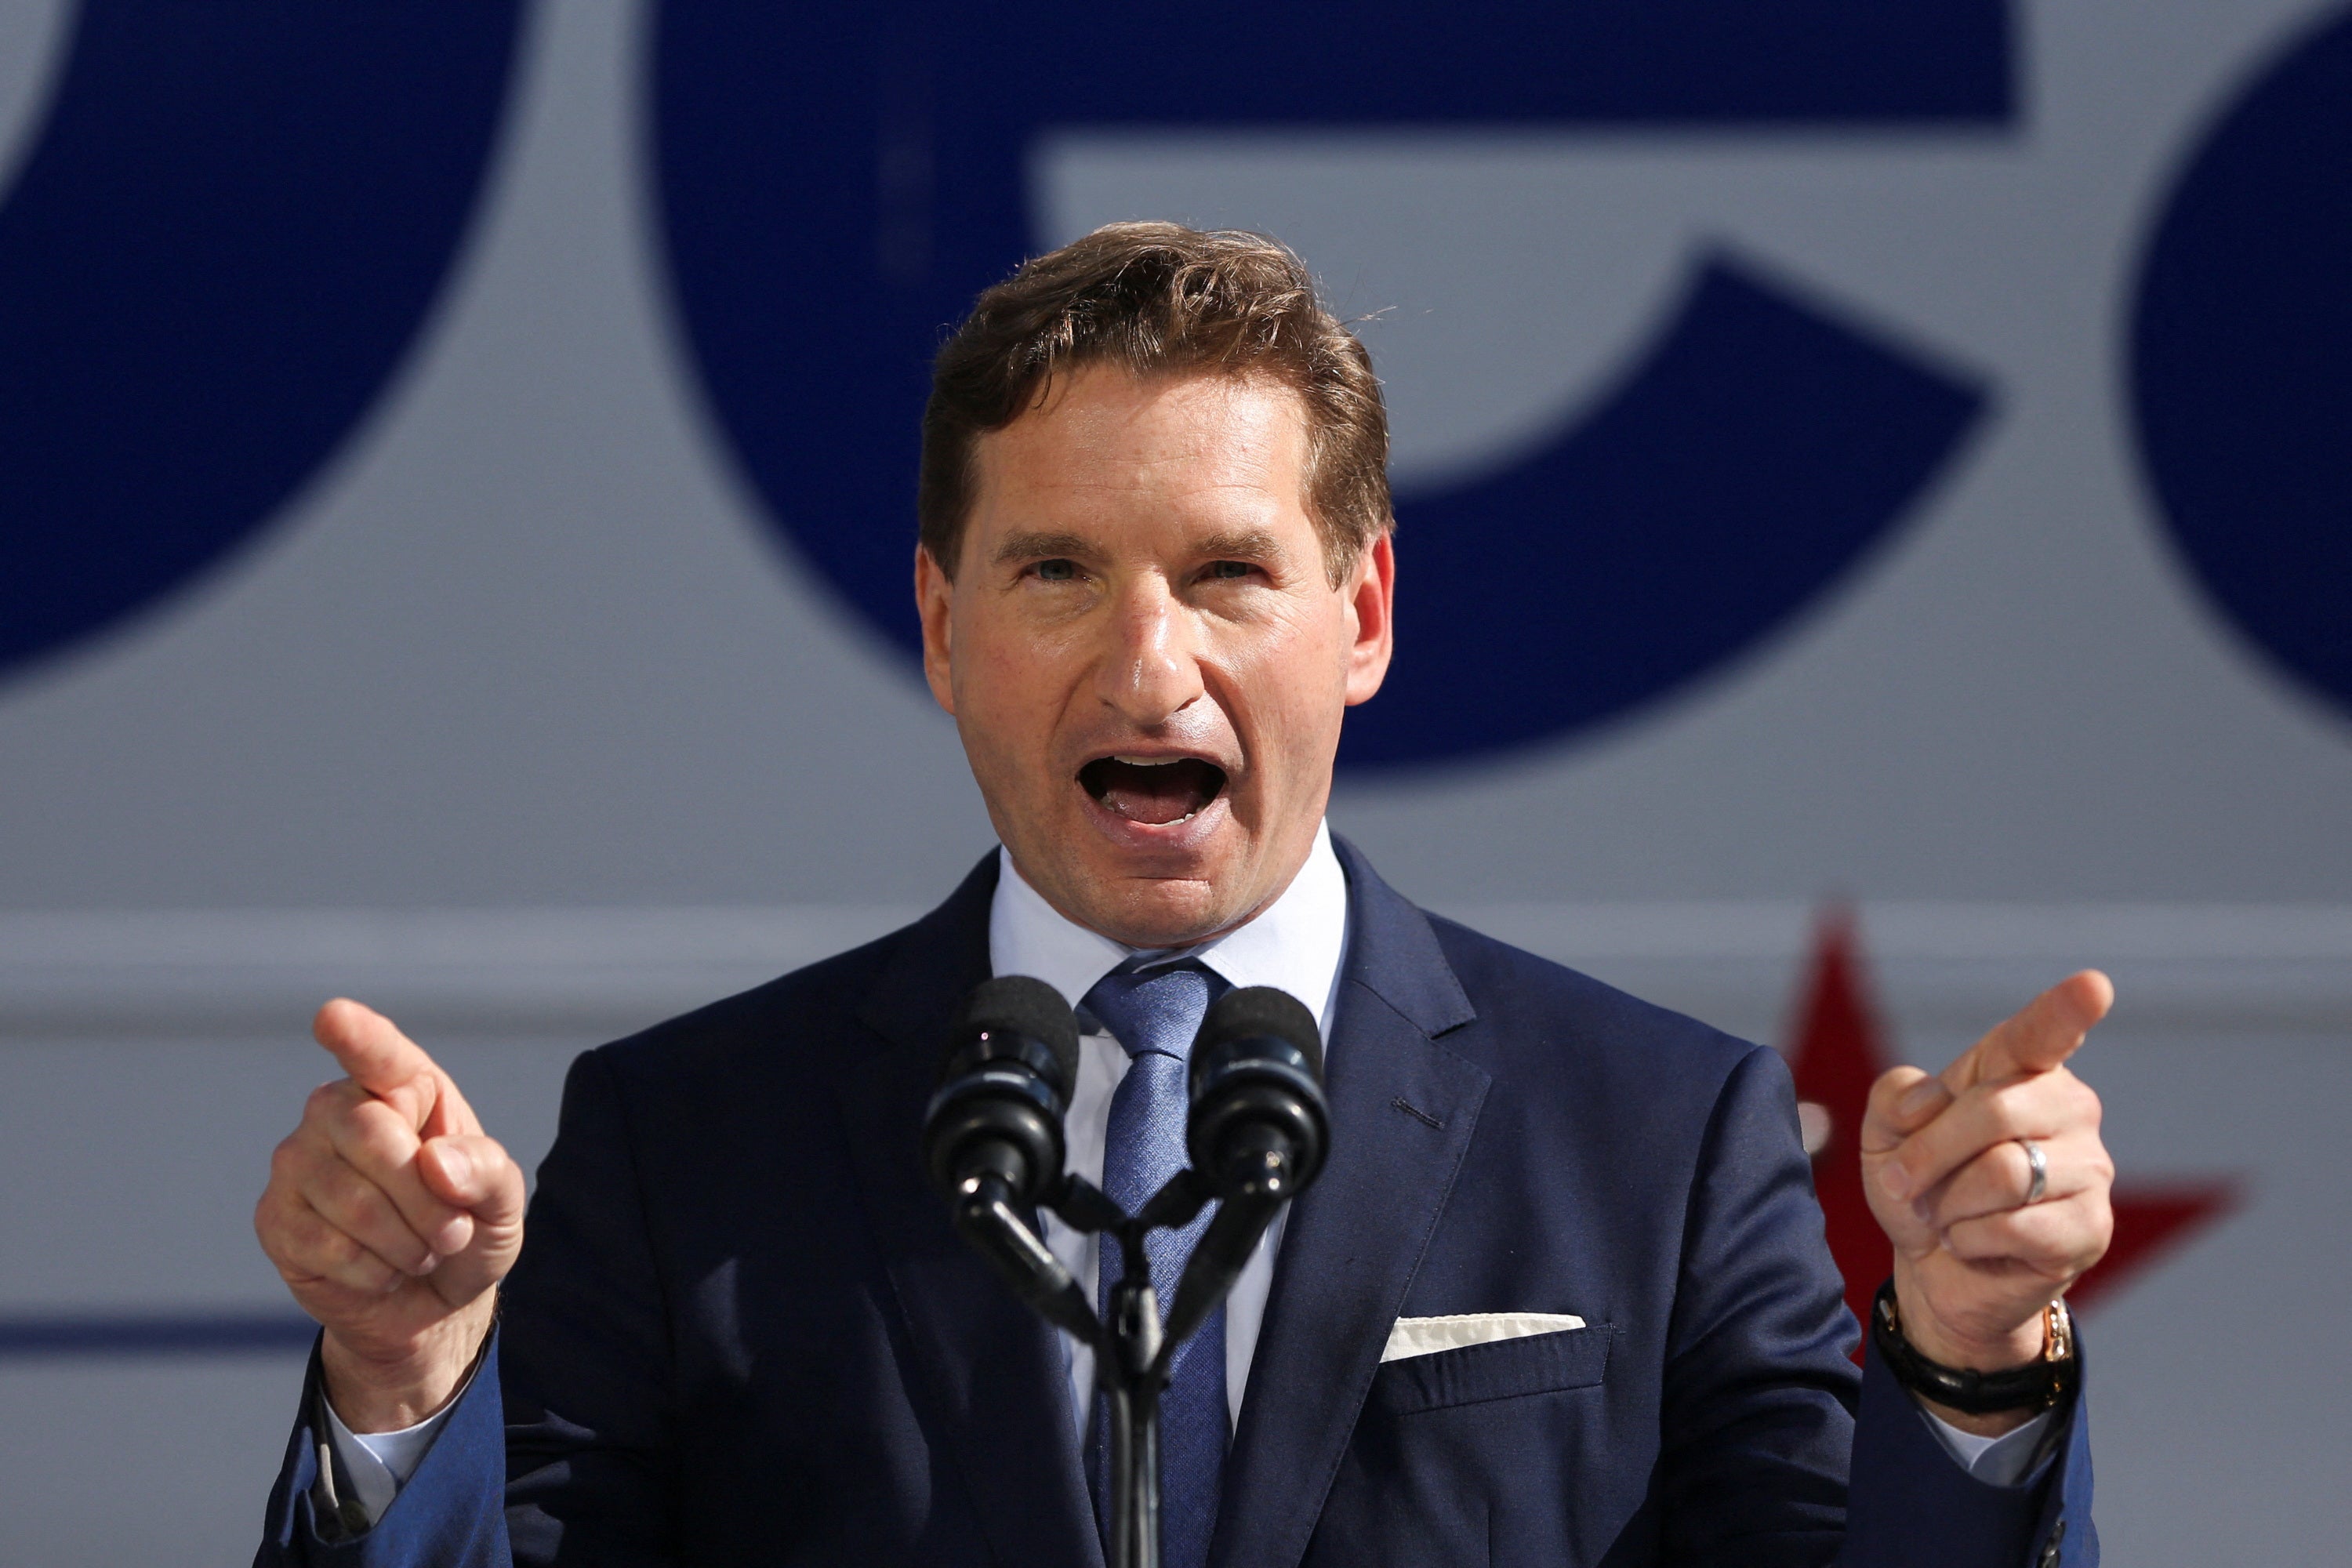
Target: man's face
(1144, 652)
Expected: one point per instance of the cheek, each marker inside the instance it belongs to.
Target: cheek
(1009, 692)
(1290, 683)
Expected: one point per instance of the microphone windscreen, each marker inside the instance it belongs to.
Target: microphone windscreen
(1254, 1012)
(1022, 1005)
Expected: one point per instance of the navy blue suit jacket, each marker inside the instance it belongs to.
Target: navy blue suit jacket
(741, 1330)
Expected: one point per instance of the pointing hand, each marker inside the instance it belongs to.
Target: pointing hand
(392, 1218)
(1949, 1179)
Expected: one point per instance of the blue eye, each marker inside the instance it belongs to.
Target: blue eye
(1229, 569)
(1058, 571)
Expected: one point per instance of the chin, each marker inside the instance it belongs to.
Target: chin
(1170, 922)
(1155, 909)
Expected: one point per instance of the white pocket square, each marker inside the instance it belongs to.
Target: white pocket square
(1421, 1336)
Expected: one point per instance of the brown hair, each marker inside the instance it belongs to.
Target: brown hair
(1158, 298)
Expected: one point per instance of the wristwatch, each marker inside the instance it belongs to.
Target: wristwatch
(2036, 1385)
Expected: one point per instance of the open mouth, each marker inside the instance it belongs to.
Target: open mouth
(1157, 791)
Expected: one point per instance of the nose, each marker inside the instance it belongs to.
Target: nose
(1150, 671)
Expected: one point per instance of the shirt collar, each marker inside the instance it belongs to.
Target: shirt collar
(1295, 945)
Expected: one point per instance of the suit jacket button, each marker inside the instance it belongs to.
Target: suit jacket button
(2049, 1558)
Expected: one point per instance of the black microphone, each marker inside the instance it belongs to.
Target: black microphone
(1003, 1090)
(1257, 1135)
(992, 1136)
(1258, 1120)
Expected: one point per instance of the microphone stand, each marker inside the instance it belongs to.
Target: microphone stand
(1132, 1346)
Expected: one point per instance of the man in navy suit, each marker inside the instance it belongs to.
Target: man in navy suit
(1561, 1295)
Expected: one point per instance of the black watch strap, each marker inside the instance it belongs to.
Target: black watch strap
(2036, 1385)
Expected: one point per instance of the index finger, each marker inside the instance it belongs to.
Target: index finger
(378, 1058)
(2040, 1036)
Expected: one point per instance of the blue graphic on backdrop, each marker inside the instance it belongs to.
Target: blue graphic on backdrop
(227, 234)
(2241, 366)
(837, 185)
(1749, 457)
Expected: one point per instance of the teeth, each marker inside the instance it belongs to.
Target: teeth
(1148, 762)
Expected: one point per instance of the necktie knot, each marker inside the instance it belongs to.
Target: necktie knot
(1154, 1007)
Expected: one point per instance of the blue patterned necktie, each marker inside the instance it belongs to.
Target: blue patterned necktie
(1153, 1013)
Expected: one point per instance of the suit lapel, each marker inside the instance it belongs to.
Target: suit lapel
(991, 1365)
(1402, 1109)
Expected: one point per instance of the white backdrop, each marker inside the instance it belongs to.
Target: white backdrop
(520, 723)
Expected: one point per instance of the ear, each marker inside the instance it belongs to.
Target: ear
(935, 603)
(1371, 605)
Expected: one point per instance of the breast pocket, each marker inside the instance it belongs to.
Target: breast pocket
(1500, 1369)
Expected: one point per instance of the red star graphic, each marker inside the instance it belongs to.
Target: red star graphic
(1839, 1053)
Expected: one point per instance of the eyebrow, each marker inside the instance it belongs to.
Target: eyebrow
(1041, 547)
(1243, 544)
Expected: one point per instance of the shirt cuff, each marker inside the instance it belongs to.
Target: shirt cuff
(2001, 1461)
(380, 1463)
